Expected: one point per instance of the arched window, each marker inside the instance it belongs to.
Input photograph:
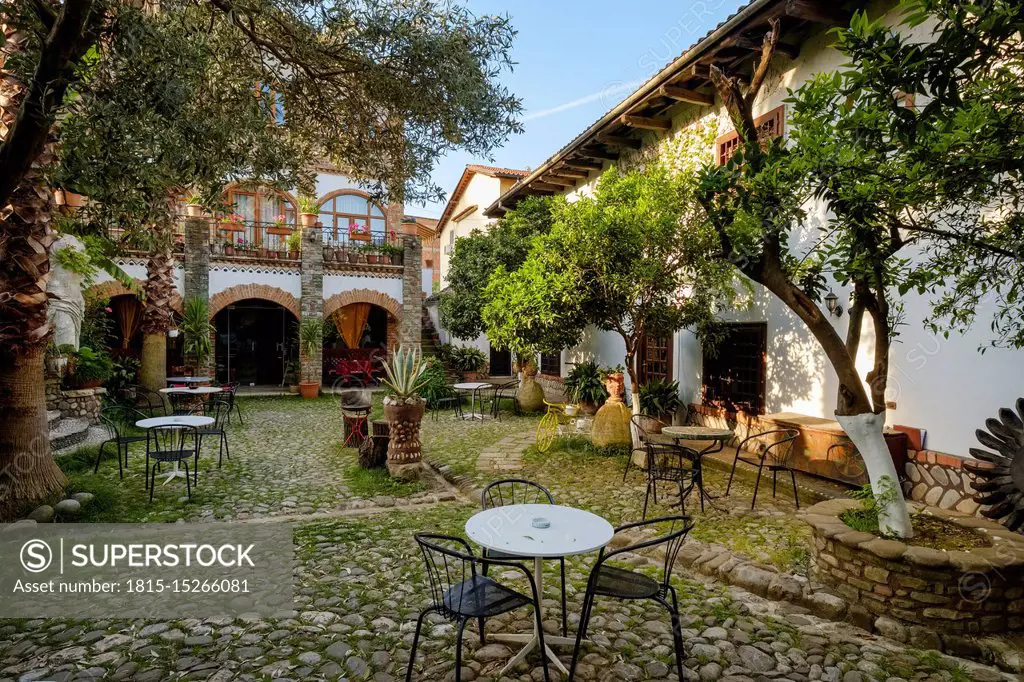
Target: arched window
(352, 216)
(261, 206)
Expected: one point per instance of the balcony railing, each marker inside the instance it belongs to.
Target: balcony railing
(252, 239)
(374, 248)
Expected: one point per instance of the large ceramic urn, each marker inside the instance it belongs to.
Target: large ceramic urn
(403, 416)
(611, 423)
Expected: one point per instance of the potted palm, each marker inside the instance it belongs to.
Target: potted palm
(195, 325)
(659, 399)
(584, 386)
(308, 209)
(470, 361)
(403, 411)
(311, 333)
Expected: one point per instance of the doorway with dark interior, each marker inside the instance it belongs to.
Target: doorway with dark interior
(256, 340)
(500, 363)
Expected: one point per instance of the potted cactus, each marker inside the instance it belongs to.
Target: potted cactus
(403, 410)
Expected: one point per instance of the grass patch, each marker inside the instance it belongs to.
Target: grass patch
(372, 482)
(780, 541)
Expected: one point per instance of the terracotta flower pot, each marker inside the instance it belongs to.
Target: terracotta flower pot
(615, 384)
(307, 219)
(309, 389)
(353, 257)
(471, 376)
(403, 420)
(229, 251)
(371, 258)
(194, 211)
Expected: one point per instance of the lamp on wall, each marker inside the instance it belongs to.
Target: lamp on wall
(832, 303)
(172, 333)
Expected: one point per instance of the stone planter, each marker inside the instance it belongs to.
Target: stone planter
(975, 592)
(530, 395)
(404, 454)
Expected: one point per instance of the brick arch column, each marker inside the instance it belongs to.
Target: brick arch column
(377, 298)
(112, 288)
(241, 292)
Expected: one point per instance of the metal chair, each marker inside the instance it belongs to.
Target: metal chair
(502, 392)
(182, 403)
(171, 444)
(230, 393)
(119, 422)
(446, 397)
(639, 421)
(667, 463)
(218, 409)
(621, 583)
(776, 456)
(520, 491)
(460, 594)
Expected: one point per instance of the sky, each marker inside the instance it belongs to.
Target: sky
(575, 60)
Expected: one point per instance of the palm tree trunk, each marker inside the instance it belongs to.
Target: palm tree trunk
(27, 470)
(158, 314)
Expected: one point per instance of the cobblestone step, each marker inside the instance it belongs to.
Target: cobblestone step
(52, 416)
(68, 432)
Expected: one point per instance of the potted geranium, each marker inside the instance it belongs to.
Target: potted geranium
(280, 226)
(229, 248)
(358, 231)
(294, 243)
(308, 208)
(231, 223)
(311, 333)
(403, 411)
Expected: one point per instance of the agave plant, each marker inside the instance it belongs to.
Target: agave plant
(404, 372)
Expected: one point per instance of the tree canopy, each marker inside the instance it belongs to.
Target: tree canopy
(635, 258)
(479, 254)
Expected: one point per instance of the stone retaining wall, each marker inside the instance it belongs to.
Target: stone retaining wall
(939, 479)
(959, 592)
(83, 402)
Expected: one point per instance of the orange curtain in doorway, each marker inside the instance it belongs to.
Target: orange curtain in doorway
(350, 321)
(129, 316)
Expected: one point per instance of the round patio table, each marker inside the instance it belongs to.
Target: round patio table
(510, 530)
(711, 434)
(178, 420)
(189, 380)
(474, 388)
(193, 390)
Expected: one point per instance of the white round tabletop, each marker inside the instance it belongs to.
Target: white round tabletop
(179, 420)
(510, 530)
(697, 432)
(472, 386)
(195, 390)
(188, 380)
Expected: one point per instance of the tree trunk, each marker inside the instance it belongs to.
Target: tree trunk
(865, 430)
(27, 471)
(157, 313)
(153, 371)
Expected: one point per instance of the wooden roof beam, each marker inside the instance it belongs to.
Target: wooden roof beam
(645, 122)
(791, 51)
(569, 172)
(620, 142)
(598, 153)
(580, 164)
(685, 95)
(546, 187)
(558, 180)
(816, 12)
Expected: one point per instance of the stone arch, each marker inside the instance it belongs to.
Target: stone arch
(377, 298)
(241, 292)
(112, 288)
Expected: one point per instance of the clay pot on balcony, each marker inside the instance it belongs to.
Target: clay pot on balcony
(353, 257)
(307, 219)
(193, 210)
(371, 258)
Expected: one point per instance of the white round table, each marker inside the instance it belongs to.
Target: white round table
(194, 390)
(176, 420)
(189, 380)
(474, 387)
(510, 530)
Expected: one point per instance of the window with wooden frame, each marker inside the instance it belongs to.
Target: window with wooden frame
(352, 215)
(734, 376)
(551, 364)
(257, 207)
(272, 103)
(655, 356)
(769, 127)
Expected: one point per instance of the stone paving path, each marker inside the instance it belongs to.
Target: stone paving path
(505, 456)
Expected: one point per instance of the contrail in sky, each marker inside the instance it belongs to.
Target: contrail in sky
(606, 92)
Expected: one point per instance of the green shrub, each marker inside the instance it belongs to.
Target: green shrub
(865, 519)
(583, 383)
(90, 366)
(466, 359)
(435, 381)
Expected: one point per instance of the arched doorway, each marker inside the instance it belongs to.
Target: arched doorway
(256, 343)
(356, 341)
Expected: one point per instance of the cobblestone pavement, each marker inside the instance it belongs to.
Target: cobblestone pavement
(361, 583)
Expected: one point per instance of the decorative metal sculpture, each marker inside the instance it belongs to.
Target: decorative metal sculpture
(1001, 474)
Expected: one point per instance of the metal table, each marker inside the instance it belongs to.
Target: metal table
(717, 438)
(510, 530)
(189, 380)
(474, 387)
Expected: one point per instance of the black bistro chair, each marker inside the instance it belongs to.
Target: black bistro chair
(119, 423)
(502, 393)
(520, 491)
(775, 456)
(445, 398)
(145, 400)
(229, 392)
(460, 593)
(666, 463)
(174, 445)
(219, 409)
(607, 580)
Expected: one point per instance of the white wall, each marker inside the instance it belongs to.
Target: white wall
(224, 276)
(481, 191)
(336, 284)
(427, 279)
